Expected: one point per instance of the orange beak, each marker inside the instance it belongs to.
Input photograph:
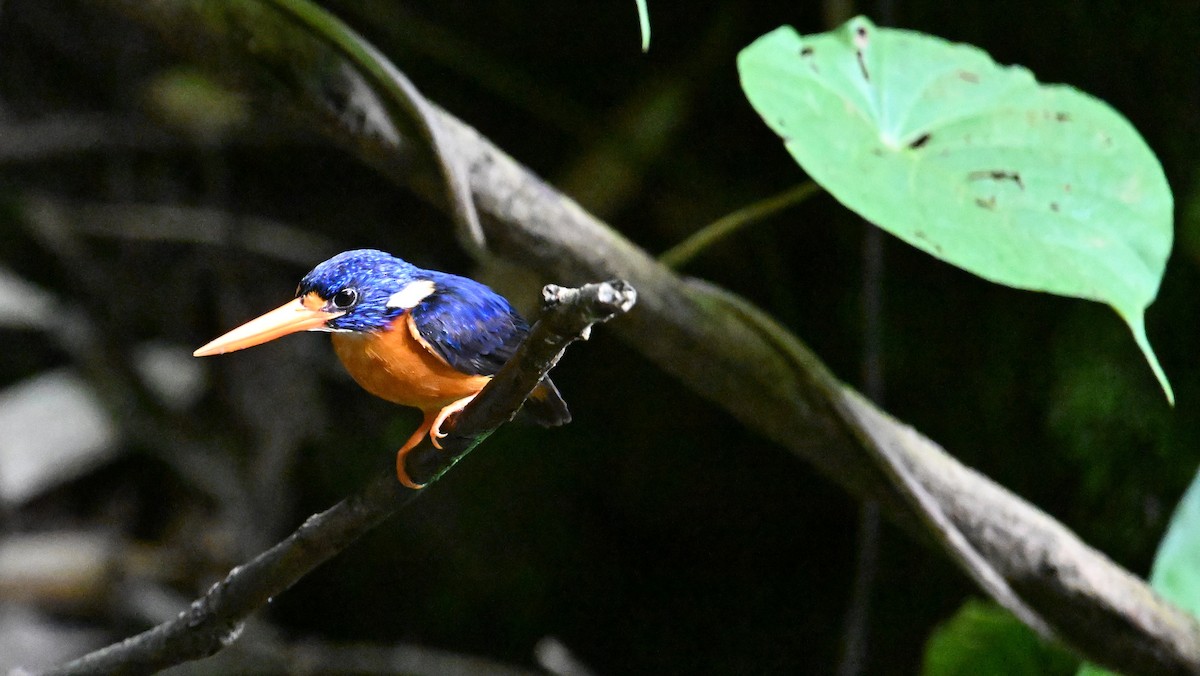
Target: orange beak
(302, 314)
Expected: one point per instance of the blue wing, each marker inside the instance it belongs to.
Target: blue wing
(467, 324)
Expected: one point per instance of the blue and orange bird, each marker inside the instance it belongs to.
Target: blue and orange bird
(420, 338)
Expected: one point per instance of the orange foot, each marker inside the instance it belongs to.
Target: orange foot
(401, 471)
(435, 432)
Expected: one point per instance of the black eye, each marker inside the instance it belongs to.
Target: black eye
(345, 298)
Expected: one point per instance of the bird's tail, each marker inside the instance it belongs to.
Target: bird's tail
(545, 406)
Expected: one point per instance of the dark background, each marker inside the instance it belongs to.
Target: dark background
(654, 534)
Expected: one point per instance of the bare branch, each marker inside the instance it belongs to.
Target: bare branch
(567, 315)
(216, 619)
(263, 651)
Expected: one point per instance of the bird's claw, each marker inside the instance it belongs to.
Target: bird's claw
(435, 432)
(432, 425)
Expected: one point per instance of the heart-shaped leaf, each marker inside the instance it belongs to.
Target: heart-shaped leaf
(1034, 186)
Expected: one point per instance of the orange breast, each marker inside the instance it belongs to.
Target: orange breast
(396, 365)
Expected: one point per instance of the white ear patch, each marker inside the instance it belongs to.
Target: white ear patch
(412, 294)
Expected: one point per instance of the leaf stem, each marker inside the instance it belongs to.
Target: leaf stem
(681, 254)
(644, 24)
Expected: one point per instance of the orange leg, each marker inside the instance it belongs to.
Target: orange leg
(425, 427)
(435, 432)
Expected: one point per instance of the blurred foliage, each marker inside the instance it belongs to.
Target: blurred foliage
(193, 102)
(983, 639)
(654, 534)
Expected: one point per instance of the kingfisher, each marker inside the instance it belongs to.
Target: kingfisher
(420, 338)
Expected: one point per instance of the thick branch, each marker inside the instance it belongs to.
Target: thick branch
(215, 619)
(751, 367)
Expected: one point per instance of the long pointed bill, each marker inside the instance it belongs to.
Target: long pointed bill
(281, 321)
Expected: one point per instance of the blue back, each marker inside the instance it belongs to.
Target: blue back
(470, 326)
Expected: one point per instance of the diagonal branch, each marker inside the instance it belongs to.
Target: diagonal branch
(215, 620)
(755, 370)
(401, 97)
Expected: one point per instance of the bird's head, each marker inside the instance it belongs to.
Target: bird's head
(361, 290)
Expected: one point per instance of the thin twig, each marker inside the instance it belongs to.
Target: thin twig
(567, 316)
(264, 651)
(216, 619)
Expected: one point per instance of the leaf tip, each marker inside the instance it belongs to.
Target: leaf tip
(1137, 324)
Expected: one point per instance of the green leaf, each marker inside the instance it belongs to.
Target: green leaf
(983, 639)
(1038, 187)
(1176, 571)
(1093, 670)
(644, 24)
